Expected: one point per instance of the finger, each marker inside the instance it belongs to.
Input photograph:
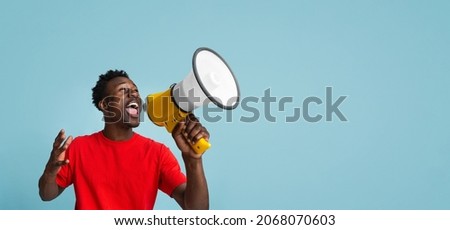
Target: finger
(61, 163)
(201, 135)
(59, 134)
(59, 139)
(191, 118)
(64, 146)
(194, 132)
(60, 153)
(179, 128)
(191, 122)
(205, 134)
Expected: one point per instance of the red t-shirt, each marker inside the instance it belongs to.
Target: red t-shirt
(121, 175)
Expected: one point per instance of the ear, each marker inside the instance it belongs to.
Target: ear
(103, 105)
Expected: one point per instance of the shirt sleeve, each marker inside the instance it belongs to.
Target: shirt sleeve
(171, 175)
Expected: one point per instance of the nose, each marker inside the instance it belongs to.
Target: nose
(133, 93)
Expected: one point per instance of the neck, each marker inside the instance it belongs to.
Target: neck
(116, 133)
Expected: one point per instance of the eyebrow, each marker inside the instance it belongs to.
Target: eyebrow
(124, 82)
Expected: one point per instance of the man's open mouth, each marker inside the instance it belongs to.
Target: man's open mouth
(133, 109)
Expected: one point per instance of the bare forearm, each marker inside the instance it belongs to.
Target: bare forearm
(196, 195)
(48, 188)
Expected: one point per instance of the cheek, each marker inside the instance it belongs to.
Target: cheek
(116, 101)
(115, 107)
(113, 113)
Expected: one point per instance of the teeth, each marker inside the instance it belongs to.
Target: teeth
(133, 104)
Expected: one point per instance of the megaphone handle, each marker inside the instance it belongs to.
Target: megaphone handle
(201, 146)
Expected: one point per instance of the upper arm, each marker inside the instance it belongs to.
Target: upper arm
(178, 194)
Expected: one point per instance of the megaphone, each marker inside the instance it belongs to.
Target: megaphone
(210, 80)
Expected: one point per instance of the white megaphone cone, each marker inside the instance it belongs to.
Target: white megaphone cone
(210, 80)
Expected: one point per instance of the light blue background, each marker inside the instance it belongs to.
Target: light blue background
(390, 58)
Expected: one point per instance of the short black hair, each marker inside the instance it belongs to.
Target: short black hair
(98, 92)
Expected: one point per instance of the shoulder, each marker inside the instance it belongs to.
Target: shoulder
(82, 145)
(86, 138)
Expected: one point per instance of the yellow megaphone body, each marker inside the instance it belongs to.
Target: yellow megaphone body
(210, 80)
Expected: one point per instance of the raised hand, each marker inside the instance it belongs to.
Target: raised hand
(58, 153)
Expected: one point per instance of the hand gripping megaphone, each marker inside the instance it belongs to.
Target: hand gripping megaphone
(210, 80)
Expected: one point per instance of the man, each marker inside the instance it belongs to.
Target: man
(117, 168)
